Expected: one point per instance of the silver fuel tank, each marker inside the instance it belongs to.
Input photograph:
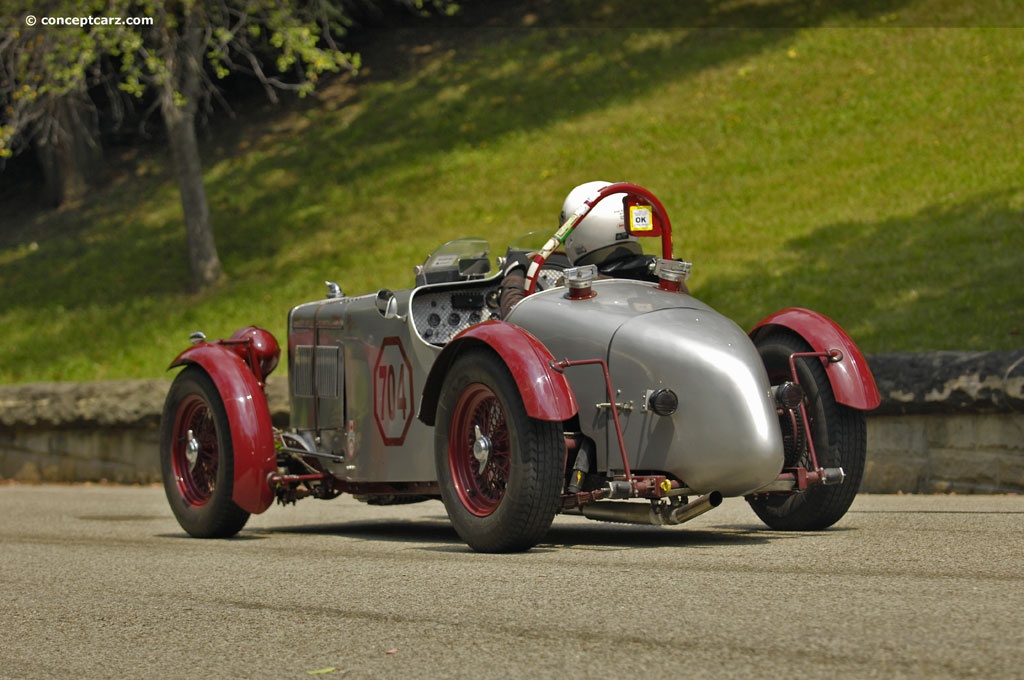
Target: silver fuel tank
(725, 434)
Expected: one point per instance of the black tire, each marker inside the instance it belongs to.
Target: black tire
(840, 440)
(508, 503)
(199, 490)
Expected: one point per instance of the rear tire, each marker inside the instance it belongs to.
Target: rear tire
(198, 469)
(503, 496)
(840, 440)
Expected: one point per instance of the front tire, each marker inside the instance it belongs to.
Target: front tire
(840, 440)
(196, 458)
(500, 470)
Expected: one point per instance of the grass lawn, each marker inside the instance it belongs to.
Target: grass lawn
(861, 159)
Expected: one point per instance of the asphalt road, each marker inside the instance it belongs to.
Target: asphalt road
(99, 582)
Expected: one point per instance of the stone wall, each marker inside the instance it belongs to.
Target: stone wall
(949, 422)
(87, 432)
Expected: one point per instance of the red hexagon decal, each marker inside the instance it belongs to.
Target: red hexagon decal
(392, 392)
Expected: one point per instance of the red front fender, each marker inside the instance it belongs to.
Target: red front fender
(545, 391)
(252, 432)
(851, 379)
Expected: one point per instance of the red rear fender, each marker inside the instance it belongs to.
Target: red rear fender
(851, 379)
(545, 391)
(252, 432)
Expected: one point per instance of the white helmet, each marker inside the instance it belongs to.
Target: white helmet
(602, 235)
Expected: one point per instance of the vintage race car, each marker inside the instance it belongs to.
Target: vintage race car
(543, 388)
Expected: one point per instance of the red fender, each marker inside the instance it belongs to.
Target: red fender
(545, 391)
(252, 432)
(851, 379)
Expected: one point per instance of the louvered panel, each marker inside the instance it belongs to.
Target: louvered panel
(327, 373)
(302, 380)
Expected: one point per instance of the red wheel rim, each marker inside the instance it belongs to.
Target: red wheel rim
(480, 486)
(196, 478)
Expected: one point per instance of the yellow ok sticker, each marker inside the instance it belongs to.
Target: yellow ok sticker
(640, 218)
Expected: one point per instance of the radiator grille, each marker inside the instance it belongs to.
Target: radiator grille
(327, 371)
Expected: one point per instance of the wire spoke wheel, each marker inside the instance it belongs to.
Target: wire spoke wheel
(479, 424)
(500, 470)
(194, 452)
(196, 458)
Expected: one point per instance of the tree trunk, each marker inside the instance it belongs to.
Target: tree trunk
(179, 113)
(203, 261)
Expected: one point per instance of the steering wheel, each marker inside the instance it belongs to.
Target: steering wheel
(634, 193)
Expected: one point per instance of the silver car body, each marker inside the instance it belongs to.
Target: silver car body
(725, 434)
(358, 366)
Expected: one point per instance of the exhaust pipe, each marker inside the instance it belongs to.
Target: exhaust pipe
(695, 508)
(658, 515)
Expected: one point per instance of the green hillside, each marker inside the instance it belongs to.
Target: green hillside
(861, 159)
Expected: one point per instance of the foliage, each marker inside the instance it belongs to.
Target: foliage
(40, 63)
(38, 67)
(851, 160)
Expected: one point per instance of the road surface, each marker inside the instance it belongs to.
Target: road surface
(100, 582)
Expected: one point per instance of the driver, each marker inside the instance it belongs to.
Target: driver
(600, 239)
